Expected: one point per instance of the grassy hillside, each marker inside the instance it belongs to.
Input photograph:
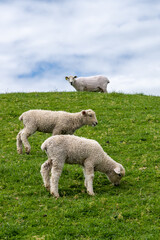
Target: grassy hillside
(128, 130)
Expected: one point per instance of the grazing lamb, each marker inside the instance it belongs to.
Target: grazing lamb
(89, 84)
(55, 122)
(77, 150)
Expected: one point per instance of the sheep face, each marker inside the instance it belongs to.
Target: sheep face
(89, 117)
(116, 174)
(71, 79)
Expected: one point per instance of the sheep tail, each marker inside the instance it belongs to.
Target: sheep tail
(43, 146)
(21, 117)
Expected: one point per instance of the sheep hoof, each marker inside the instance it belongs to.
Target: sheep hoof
(55, 195)
(19, 151)
(48, 188)
(27, 150)
(91, 193)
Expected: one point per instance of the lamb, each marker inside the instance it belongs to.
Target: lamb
(77, 150)
(90, 84)
(55, 122)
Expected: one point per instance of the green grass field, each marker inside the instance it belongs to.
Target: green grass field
(128, 130)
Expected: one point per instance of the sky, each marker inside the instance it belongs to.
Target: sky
(42, 41)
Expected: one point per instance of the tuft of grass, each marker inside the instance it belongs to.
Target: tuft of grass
(128, 130)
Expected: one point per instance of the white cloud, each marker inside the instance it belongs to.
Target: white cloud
(120, 39)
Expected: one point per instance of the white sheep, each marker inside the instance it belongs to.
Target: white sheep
(77, 150)
(55, 122)
(90, 84)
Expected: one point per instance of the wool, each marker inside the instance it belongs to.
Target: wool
(55, 122)
(89, 84)
(77, 150)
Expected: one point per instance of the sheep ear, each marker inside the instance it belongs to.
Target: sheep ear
(75, 77)
(66, 78)
(84, 113)
(117, 170)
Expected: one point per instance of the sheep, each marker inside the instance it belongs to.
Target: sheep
(77, 150)
(55, 122)
(90, 84)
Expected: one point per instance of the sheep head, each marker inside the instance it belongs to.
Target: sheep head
(71, 79)
(116, 174)
(89, 117)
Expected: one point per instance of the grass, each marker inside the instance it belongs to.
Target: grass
(128, 131)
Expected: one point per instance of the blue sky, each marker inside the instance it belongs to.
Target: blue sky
(43, 41)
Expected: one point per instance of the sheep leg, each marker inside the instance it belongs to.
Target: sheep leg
(89, 176)
(25, 133)
(19, 143)
(45, 172)
(55, 175)
(85, 182)
(102, 90)
(56, 131)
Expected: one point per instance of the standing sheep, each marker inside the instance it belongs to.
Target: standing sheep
(77, 150)
(89, 84)
(55, 122)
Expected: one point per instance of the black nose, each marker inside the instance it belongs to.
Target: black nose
(116, 184)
